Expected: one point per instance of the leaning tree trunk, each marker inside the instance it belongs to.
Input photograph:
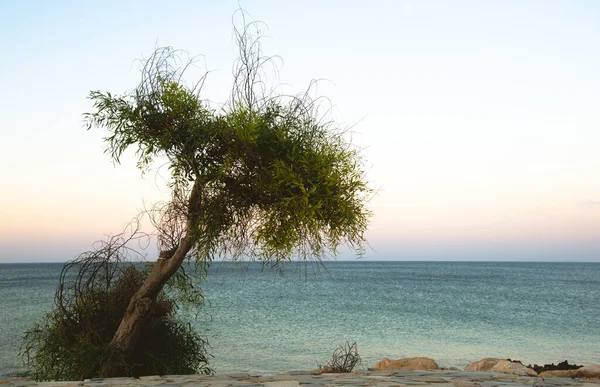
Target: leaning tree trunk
(126, 337)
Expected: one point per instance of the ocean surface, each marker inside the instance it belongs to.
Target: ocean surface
(454, 312)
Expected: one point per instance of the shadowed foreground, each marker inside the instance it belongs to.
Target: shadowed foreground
(442, 378)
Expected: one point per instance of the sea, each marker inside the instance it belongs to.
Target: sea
(264, 320)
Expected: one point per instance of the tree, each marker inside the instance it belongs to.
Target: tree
(264, 178)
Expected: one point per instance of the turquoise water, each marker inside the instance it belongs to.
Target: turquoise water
(451, 311)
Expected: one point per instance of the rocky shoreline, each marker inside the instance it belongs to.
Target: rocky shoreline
(505, 366)
(437, 378)
(417, 371)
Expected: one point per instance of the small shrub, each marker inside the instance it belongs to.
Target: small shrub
(72, 342)
(343, 360)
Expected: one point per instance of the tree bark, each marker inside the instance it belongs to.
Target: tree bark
(126, 337)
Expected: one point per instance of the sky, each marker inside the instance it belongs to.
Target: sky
(478, 120)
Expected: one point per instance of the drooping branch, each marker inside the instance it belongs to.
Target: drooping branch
(96, 270)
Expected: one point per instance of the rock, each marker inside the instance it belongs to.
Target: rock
(590, 372)
(287, 383)
(296, 373)
(324, 370)
(409, 363)
(513, 368)
(483, 365)
(558, 374)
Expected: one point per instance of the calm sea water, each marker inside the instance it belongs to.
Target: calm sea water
(453, 312)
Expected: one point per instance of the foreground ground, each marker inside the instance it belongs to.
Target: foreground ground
(306, 378)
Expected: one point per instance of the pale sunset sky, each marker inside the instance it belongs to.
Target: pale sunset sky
(479, 120)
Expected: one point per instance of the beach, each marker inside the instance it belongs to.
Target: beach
(440, 378)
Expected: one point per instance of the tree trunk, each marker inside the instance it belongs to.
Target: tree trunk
(126, 337)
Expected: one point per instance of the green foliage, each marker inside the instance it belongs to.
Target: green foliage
(275, 182)
(72, 341)
(183, 291)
